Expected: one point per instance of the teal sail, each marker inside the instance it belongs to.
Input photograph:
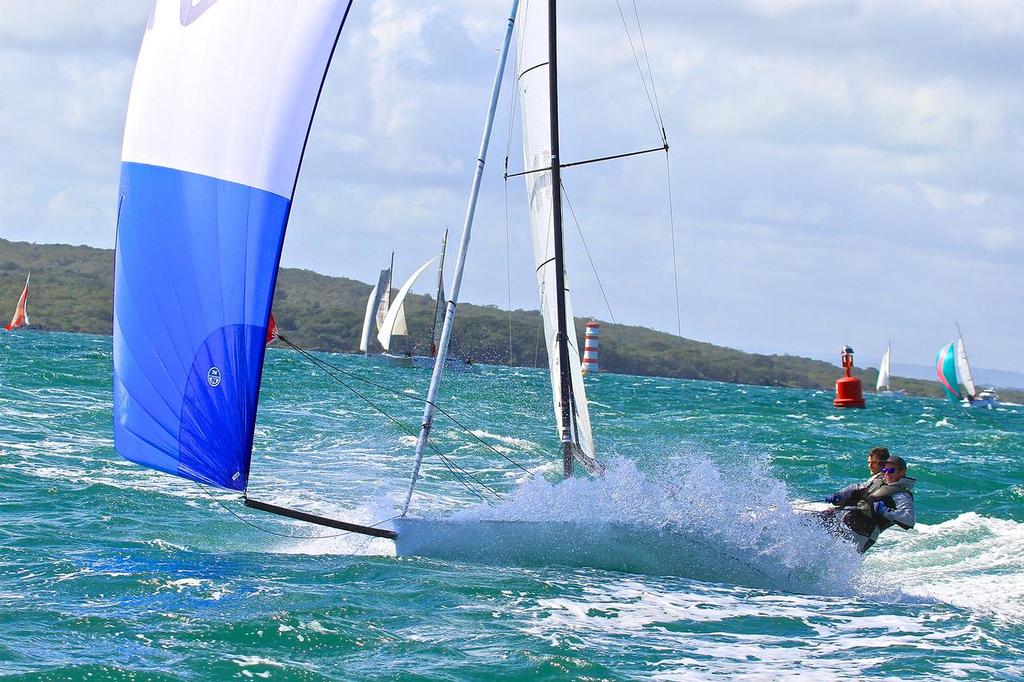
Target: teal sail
(945, 367)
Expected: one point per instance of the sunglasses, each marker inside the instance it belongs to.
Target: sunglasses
(888, 470)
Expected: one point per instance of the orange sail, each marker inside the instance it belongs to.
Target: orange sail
(20, 318)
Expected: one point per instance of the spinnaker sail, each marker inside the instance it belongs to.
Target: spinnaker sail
(535, 100)
(945, 368)
(20, 318)
(220, 109)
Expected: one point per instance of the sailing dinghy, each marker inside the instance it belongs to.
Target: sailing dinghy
(219, 113)
(220, 109)
(20, 318)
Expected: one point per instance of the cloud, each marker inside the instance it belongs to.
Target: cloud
(888, 137)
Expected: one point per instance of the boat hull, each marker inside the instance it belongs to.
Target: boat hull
(981, 403)
(625, 547)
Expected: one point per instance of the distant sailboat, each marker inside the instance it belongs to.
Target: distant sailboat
(883, 371)
(378, 306)
(384, 336)
(389, 316)
(954, 373)
(20, 318)
(882, 386)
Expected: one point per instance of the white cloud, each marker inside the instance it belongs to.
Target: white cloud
(999, 238)
(803, 134)
(945, 200)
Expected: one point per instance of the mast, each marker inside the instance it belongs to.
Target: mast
(460, 262)
(391, 279)
(562, 338)
(437, 299)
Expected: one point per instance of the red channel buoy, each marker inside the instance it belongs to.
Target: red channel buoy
(848, 389)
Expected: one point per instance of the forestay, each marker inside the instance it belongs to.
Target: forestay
(532, 82)
(220, 108)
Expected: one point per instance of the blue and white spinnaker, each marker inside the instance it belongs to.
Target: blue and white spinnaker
(220, 109)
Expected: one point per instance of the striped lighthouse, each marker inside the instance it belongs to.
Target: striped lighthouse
(590, 348)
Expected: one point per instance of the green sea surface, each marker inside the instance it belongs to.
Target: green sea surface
(112, 571)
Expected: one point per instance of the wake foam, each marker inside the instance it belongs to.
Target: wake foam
(972, 562)
(691, 519)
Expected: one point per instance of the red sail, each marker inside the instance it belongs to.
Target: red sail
(272, 332)
(20, 318)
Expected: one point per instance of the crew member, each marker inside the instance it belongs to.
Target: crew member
(876, 460)
(877, 504)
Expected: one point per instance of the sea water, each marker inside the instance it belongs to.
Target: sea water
(112, 571)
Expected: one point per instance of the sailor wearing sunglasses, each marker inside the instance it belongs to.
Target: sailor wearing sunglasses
(877, 504)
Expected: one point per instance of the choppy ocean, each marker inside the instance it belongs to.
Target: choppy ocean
(696, 567)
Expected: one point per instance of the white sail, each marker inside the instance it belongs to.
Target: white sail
(385, 301)
(373, 308)
(390, 324)
(439, 301)
(963, 369)
(532, 77)
(883, 372)
(399, 328)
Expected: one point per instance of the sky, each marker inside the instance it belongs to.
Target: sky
(840, 172)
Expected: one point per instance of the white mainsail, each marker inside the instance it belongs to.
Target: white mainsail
(439, 301)
(373, 308)
(532, 77)
(883, 372)
(963, 369)
(389, 327)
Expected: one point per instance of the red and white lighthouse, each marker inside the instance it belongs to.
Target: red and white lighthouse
(590, 348)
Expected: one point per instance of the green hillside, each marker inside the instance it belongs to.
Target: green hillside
(71, 291)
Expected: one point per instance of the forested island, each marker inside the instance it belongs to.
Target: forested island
(71, 291)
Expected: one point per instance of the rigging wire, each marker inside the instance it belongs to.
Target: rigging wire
(652, 99)
(672, 235)
(643, 78)
(650, 71)
(459, 472)
(586, 248)
(328, 367)
(452, 467)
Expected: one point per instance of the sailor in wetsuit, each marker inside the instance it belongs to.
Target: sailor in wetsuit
(866, 509)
